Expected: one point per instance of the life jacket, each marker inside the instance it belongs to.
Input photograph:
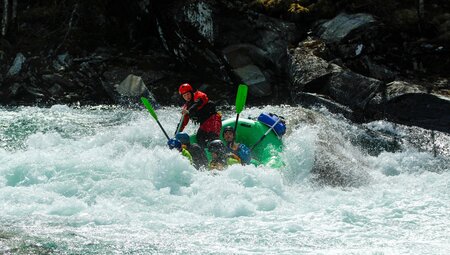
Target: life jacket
(202, 112)
(233, 159)
(242, 153)
(198, 155)
(186, 154)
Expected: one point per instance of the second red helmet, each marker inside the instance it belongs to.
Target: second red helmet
(184, 88)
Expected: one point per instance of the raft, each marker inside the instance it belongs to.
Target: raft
(268, 151)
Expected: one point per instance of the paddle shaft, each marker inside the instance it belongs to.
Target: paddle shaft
(180, 124)
(157, 121)
(153, 114)
(265, 134)
(235, 127)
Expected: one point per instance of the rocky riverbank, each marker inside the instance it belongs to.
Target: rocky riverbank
(365, 59)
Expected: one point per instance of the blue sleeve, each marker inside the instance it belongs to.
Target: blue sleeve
(244, 154)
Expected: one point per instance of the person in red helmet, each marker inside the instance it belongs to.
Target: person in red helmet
(201, 110)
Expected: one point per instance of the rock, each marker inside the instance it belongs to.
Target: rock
(58, 79)
(342, 26)
(306, 71)
(378, 71)
(352, 89)
(310, 100)
(310, 73)
(246, 61)
(274, 36)
(411, 104)
(17, 65)
(199, 15)
(56, 90)
(252, 76)
(183, 34)
(333, 168)
(131, 89)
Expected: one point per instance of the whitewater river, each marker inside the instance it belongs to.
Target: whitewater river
(101, 180)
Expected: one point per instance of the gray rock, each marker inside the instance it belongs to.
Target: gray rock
(248, 63)
(131, 89)
(378, 71)
(352, 89)
(200, 15)
(411, 104)
(255, 79)
(17, 65)
(343, 25)
(58, 79)
(310, 100)
(56, 90)
(305, 69)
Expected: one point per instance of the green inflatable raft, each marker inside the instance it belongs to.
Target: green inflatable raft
(268, 151)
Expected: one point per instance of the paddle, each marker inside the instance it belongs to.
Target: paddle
(265, 134)
(179, 124)
(152, 112)
(241, 97)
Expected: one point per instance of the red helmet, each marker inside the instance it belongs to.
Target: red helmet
(184, 88)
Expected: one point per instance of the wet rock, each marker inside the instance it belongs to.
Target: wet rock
(335, 169)
(62, 62)
(311, 100)
(274, 37)
(131, 89)
(255, 79)
(411, 104)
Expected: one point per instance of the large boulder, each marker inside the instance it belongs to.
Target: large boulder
(411, 104)
(251, 65)
(307, 71)
(343, 26)
(352, 89)
(130, 90)
(311, 73)
(312, 100)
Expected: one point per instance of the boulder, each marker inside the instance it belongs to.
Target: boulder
(352, 89)
(310, 100)
(248, 63)
(131, 89)
(306, 71)
(344, 26)
(411, 104)
(17, 65)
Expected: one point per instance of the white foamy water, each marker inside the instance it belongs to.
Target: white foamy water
(101, 180)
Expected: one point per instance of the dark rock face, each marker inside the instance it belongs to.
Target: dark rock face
(412, 105)
(352, 89)
(307, 71)
(81, 51)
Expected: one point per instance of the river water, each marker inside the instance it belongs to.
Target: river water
(101, 180)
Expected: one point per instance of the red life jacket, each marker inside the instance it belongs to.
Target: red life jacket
(202, 111)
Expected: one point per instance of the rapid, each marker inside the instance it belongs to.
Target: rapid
(101, 180)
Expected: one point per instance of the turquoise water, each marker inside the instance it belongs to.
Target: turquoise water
(100, 180)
